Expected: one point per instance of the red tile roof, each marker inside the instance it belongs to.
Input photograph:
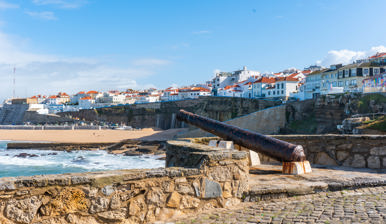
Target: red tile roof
(268, 80)
(92, 92)
(378, 55)
(86, 98)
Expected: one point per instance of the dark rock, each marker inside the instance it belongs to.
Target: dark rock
(80, 159)
(25, 155)
(131, 153)
(144, 150)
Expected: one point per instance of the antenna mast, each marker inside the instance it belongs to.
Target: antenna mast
(14, 82)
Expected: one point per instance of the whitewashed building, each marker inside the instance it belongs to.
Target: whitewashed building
(86, 102)
(224, 79)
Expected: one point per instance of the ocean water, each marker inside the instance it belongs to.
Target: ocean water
(57, 162)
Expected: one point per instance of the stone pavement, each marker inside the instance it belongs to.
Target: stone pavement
(267, 181)
(363, 205)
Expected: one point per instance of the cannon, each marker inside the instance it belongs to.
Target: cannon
(272, 147)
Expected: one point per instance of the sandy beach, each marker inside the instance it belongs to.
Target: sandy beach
(85, 136)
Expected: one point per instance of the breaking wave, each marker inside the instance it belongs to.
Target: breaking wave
(16, 162)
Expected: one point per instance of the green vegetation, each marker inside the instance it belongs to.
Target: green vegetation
(364, 102)
(305, 126)
(378, 124)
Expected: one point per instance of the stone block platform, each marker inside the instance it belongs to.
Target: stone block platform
(267, 181)
(327, 195)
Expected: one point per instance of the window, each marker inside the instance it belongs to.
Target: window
(340, 74)
(365, 71)
(273, 92)
(282, 92)
(353, 72)
(346, 73)
(278, 92)
(346, 83)
(282, 85)
(340, 83)
(269, 93)
(376, 71)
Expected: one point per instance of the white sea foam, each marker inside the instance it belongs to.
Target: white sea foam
(76, 161)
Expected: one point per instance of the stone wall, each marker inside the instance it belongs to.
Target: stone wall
(163, 114)
(197, 178)
(359, 151)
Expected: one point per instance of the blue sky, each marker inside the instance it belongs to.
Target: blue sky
(73, 45)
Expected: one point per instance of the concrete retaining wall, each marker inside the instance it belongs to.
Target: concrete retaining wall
(197, 178)
(163, 114)
(267, 121)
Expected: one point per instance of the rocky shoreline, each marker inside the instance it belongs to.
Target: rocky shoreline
(127, 147)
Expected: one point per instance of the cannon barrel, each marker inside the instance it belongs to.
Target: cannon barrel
(272, 147)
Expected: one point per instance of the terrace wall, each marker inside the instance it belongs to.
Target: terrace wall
(358, 151)
(196, 178)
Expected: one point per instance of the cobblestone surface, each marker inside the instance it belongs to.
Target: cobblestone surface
(365, 205)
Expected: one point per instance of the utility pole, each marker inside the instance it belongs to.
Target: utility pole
(14, 82)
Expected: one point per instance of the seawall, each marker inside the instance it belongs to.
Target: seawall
(163, 114)
(266, 121)
(196, 178)
(357, 151)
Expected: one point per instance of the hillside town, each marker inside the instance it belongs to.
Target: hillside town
(362, 76)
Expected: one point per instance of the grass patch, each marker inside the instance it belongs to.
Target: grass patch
(304, 126)
(364, 102)
(378, 124)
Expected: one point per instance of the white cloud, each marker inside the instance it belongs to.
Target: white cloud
(49, 74)
(348, 56)
(42, 15)
(6, 5)
(201, 32)
(66, 4)
(150, 62)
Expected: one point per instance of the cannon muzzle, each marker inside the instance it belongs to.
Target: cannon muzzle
(272, 147)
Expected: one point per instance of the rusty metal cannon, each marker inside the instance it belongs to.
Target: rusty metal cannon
(272, 147)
